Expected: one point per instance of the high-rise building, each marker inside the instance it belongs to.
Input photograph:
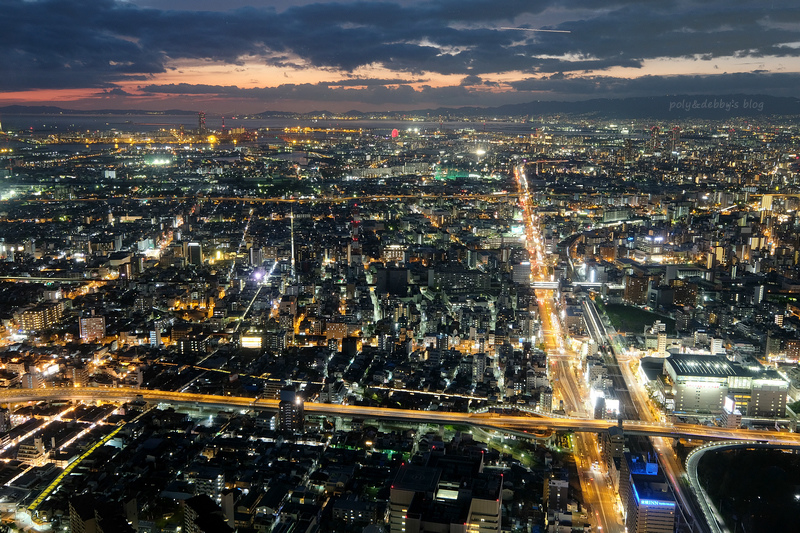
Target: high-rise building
(201, 123)
(758, 294)
(546, 399)
(613, 444)
(478, 367)
(636, 289)
(521, 273)
(92, 328)
(87, 515)
(649, 504)
(555, 494)
(654, 143)
(5, 420)
(41, 317)
(256, 256)
(450, 494)
(675, 139)
(193, 344)
(411, 481)
(78, 374)
(290, 410)
(194, 253)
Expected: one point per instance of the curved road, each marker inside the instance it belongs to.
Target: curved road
(712, 516)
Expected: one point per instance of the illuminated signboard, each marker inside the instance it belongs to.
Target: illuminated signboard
(730, 405)
(654, 503)
(657, 502)
(252, 341)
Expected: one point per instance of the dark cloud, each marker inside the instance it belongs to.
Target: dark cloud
(377, 94)
(706, 30)
(58, 44)
(474, 92)
(371, 82)
(99, 43)
(471, 80)
(115, 92)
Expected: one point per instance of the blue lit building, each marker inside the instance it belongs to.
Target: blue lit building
(649, 504)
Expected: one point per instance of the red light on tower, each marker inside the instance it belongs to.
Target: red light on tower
(395, 133)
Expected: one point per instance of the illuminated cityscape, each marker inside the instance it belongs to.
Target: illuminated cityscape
(344, 325)
(485, 266)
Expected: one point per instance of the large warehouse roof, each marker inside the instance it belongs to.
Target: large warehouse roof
(715, 366)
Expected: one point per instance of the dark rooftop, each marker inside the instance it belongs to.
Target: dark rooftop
(417, 479)
(704, 366)
(652, 366)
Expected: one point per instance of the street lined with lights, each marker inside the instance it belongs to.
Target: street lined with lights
(560, 364)
(494, 420)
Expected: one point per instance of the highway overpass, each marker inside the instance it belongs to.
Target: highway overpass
(712, 516)
(555, 284)
(545, 285)
(487, 420)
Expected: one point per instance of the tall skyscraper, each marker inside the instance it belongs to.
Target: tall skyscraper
(201, 122)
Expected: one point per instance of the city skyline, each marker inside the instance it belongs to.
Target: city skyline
(274, 302)
(463, 266)
(248, 56)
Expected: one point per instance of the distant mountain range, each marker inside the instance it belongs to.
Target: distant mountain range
(669, 107)
(660, 107)
(54, 110)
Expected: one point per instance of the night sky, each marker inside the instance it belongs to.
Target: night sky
(248, 55)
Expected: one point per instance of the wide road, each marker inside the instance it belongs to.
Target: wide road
(670, 464)
(598, 495)
(597, 491)
(493, 420)
(568, 389)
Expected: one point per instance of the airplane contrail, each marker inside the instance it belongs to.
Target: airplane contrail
(532, 29)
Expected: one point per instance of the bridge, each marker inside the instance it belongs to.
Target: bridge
(712, 516)
(589, 284)
(554, 284)
(500, 422)
(45, 279)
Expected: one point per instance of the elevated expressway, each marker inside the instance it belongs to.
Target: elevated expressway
(488, 420)
(513, 424)
(710, 512)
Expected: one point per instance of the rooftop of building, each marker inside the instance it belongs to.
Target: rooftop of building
(652, 493)
(439, 511)
(416, 479)
(649, 484)
(693, 365)
(652, 366)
